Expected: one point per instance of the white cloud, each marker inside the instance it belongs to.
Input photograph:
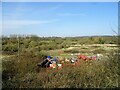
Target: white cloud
(23, 22)
(72, 14)
(12, 24)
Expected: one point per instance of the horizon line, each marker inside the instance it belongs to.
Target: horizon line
(30, 35)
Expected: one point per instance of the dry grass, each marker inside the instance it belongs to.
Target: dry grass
(87, 74)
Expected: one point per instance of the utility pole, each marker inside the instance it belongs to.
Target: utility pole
(18, 47)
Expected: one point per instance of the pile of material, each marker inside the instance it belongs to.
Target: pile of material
(85, 57)
(58, 62)
(50, 62)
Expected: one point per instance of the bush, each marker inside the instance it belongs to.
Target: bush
(71, 51)
(15, 69)
(20, 72)
(99, 51)
(90, 74)
(101, 41)
(10, 48)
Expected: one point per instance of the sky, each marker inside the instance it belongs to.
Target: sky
(62, 19)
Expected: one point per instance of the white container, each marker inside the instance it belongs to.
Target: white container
(51, 65)
(59, 65)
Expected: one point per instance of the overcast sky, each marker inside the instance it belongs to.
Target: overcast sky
(60, 19)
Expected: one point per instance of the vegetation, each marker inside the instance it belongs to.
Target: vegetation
(19, 69)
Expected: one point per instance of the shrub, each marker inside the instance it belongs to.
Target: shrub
(90, 74)
(99, 51)
(101, 41)
(71, 51)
